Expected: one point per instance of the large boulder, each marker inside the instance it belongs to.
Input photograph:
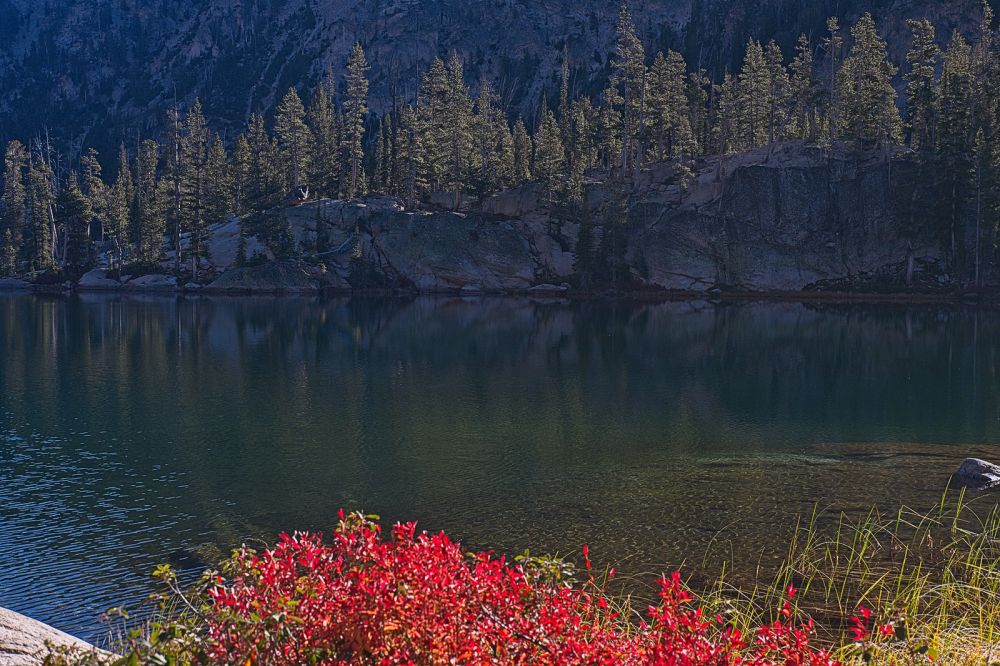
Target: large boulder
(271, 278)
(98, 280)
(978, 474)
(26, 642)
(154, 282)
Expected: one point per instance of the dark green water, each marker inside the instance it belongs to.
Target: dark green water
(140, 430)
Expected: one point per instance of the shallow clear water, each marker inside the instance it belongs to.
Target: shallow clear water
(137, 430)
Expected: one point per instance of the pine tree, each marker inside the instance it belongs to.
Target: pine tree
(954, 142)
(522, 153)
(94, 188)
(432, 113)
(265, 218)
(867, 99)
(729, 116)
(550, 156)
(832, 45)
(922, 58)
(667, 108)
(12, 207)
(76, 214)
(219, 183)
(582, 148)
(492, 142)
(151, 196)
(294, 139)
(355, 111)
(754, 94)
(628, 88)
(458, 120)
(41, 238)
(119, 212)
(324, 176)
(778, 93)
(804, 92)
(411, 156)
(194, 184)
(698, 86)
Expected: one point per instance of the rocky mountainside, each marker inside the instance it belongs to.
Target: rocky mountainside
(100, 71)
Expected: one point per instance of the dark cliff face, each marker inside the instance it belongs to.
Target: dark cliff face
(99, 71)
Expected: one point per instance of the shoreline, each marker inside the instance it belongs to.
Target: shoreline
(986, 298)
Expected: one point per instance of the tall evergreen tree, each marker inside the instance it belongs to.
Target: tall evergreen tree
(779, 87)
(41, 238)
(627, 88)
(754, 95)
(550, 155)
(458, 119)
(264, 192)
(522, 153)
(150, 204)
(411, 156)
(324, 176)
(805, 93)
(294, 140)
(12, 207)
(94, 188)
(493, 143)
(955, 148)
(194, 184)
(75, 213)
(118, 229)
(667, 108)
(867, 101)
(355, 112)
(922, 58)
(833, 45)
(219, 183)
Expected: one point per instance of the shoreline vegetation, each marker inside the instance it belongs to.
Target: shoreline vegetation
(901, 587)
(588, 157)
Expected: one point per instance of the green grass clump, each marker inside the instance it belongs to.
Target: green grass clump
(932, 581)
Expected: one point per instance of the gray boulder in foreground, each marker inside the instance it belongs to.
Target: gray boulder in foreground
(976, 473)
(26, 642)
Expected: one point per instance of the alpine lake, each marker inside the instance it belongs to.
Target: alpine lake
(138, 430)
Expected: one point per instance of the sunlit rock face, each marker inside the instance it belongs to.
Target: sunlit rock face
(98, 71)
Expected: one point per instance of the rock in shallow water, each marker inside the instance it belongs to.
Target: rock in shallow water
(976, 473)
(26, 642)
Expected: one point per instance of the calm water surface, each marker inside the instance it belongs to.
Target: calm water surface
(136, 430)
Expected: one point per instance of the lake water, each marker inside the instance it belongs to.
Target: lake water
(138, 430)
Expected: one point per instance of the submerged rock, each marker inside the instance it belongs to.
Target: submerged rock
(26, 642)
(976, 473)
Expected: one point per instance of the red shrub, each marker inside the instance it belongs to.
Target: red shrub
(416, 598)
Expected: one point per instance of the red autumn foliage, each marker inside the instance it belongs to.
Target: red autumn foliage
(416, 598)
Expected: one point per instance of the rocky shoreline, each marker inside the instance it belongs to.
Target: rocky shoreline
(27, 642)
(790, 222)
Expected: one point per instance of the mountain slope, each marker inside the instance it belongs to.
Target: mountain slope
(102, 71)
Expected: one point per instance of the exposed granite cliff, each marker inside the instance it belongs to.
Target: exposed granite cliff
(790, 219)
